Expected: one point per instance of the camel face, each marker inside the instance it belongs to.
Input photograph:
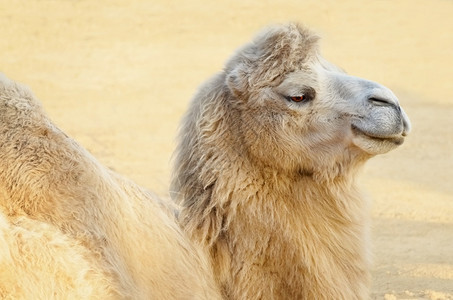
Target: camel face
(339, 108)
(301, 112)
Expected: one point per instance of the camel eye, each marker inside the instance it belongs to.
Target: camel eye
(307, 94)
(300, 98)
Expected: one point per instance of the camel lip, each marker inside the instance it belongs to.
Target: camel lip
(397, 140)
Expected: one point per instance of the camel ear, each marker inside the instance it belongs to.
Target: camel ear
(237, 81)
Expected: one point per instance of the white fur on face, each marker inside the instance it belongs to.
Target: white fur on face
(364, 113)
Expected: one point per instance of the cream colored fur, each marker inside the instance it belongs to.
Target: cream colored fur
(72, 229)
(267, 184)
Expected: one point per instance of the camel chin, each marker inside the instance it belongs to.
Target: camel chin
(375, 145)
(379, 133)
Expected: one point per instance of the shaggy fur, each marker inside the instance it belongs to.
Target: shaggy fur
(267, 184)
(72, 229)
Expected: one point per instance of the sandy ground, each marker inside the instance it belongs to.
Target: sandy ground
(118, 75)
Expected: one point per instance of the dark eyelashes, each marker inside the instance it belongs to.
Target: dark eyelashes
(300, 98)
(308, 95)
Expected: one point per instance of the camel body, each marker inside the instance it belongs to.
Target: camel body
(70, 228)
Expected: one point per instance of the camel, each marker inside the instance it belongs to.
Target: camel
(265, 170)
(72, 229)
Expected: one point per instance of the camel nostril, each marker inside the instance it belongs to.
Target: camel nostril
(380, 101)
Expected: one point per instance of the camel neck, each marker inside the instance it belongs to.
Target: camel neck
(262, 190)
(264, 221)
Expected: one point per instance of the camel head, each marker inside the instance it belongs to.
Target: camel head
(297, 111)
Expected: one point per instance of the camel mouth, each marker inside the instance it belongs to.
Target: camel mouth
(396, 140)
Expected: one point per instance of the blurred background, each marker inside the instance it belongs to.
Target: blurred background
(117, 76)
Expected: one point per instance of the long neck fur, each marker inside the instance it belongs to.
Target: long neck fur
(271, 234)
